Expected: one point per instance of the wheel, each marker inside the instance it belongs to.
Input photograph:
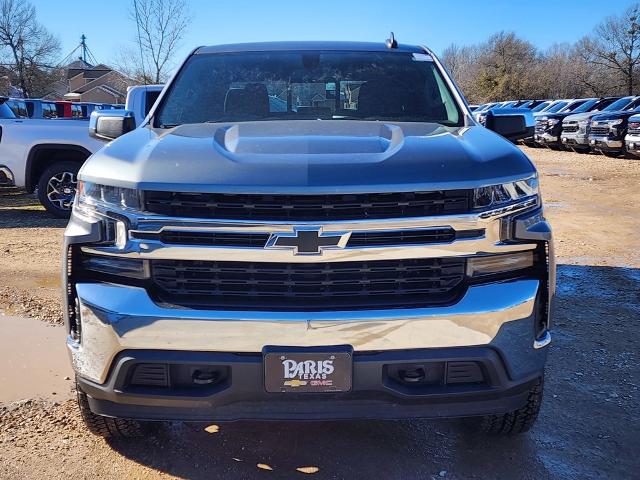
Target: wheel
(517, 421)
(106, 426)
(611, 154)
(57, 188)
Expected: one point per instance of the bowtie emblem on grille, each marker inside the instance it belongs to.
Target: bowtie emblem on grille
(308, 240)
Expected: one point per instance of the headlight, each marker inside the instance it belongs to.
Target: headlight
(93, 194)
(613, 123)
(552, 121)
(496, 196)
(583, 123)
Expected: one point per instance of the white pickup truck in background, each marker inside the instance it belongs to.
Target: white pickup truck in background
(45, 155)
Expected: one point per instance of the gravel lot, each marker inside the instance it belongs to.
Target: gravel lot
(588, 425)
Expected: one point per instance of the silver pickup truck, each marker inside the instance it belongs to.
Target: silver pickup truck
(44, 155)
(313, 230)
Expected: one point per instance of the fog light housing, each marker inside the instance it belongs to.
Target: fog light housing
(494, 264)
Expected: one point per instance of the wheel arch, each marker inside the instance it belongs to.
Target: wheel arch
(40, 157)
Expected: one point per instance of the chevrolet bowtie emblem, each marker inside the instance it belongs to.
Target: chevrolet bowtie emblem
(308, 240)
(295, 383)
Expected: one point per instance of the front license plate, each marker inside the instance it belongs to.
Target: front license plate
(307, 372)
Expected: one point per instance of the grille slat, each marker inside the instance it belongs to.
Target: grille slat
(308, 207)
(308, 286)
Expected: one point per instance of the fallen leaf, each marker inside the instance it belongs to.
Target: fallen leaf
(308, 469)
(264, 466)
(212, 429)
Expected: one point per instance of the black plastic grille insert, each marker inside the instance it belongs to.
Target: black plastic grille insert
(308, 286)
(308, 207)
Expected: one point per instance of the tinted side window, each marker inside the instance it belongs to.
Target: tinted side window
(150, 99)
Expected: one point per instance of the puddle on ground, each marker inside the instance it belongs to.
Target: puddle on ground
(33, 360)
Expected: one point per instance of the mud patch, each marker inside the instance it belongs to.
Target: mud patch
(33, 360)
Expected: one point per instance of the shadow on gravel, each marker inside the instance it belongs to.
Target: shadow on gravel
(591, 399)
(19, 209)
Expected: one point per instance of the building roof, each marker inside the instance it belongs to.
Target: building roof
(281, 46)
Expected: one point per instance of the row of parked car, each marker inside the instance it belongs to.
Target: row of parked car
(38, 108)
(609, 125)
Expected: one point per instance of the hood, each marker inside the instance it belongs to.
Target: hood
(309, 156)
(613, 115)
(559, 115)
(578, 117)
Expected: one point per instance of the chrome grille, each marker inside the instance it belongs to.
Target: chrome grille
(600, 130)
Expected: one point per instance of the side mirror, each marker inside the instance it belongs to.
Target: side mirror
(512, 123)
(110, 124)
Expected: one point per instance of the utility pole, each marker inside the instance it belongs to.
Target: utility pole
(83, 47)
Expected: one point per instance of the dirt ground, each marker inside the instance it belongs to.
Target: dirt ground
(587, 428)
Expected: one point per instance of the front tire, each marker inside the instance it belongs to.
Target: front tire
(105, 426)
(517, 421)
(57, 188)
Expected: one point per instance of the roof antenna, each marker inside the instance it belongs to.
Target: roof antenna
(391, 42)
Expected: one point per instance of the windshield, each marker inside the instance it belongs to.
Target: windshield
(619, 104)
(586, 106)
(540, 106)
(556, 107)
(298, 85)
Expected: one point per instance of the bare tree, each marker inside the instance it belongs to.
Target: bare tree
(28, 48)
(615, 46)
(505, 71)
(461, 62)
(160, 25)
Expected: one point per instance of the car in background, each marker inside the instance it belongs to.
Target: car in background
(37, 108)
(576, 127)
(549, 126)
(19, 107)
(608, 132)
(632, 140)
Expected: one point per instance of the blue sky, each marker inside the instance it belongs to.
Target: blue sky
(436, 23)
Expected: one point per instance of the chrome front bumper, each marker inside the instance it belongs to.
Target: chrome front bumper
(605, 142)
(118, 318)
(575, 138)
(545, 138)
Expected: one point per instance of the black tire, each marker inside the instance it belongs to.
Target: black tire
(65, 173)
(517, 421)
(106, 426)
(611, 154)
